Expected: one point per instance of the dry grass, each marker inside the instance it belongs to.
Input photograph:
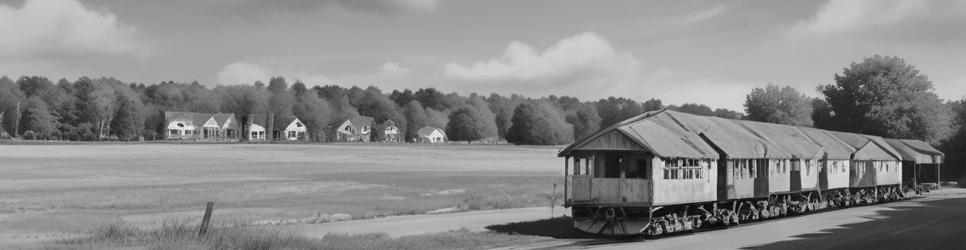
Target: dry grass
(69, 189)
(181, 236)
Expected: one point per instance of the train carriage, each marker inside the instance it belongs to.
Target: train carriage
(621, 174)
(834, 165)
(666, 171)
(920, 162)
(746, 159)
(875, 169)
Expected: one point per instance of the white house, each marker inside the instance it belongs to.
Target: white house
(294, 129)
(431, 135)
(390, 132)
(358, 128)
(256, 127)
(200, 126)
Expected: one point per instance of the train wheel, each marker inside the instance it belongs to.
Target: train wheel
(655, 230)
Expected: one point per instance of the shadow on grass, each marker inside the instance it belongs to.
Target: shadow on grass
(559, 228)
(940, 224)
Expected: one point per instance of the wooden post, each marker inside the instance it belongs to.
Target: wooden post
(939, 169)
(206, 219)
(915, 175)
(566, 178)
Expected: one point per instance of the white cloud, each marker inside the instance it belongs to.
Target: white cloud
(394, 68)
(248, 73)
(704, 15)
(839, 16)
(582, 58)
(242, 73)
(390, 6)
(64, 27)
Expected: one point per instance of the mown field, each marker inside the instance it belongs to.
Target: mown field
(62, 191)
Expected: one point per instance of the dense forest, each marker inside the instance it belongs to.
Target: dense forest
(880, 95)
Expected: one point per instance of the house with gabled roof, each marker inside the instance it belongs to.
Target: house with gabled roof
(200, 126)
(389, 132)
(431, 135)
(355, 129)
(290, 128)
(257, 125)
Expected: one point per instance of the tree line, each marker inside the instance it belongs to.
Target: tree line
(881, 95)
(34, 107)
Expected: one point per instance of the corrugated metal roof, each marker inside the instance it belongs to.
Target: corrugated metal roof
(926, 154)
(922, 147)
(789, 138)
(654, 131)
(868, 147)
(674, 134)
(835, 148)
(734, 140)
(664, 137)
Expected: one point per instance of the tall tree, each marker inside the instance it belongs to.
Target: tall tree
(781, 105)
(539, 122)
(37, 118)
(473, 121)
(955, 161)
(613, 110)
(652, 104)
(822, 114)
(315, 112)
(502, 108)
(884, 96)
(585, 120)
(11, 101)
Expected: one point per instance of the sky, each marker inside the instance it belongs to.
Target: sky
(709, 52)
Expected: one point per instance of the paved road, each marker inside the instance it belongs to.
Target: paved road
(934, 222)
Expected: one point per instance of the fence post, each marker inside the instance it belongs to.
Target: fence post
(204, 221)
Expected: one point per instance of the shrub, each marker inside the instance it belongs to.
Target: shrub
(29, 135)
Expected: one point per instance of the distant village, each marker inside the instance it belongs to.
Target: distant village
(191, 126)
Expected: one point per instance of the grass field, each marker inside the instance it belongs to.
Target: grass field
(61, 191)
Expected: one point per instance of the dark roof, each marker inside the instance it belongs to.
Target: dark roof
(222, 118)
(258, 119)
(197, 119)
(917, 151)
(282, 123)
(427, 130)
(359, 120)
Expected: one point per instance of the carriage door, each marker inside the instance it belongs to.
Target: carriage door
(795, 175)
(761, 177)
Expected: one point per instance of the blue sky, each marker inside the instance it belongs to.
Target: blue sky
(710, 52)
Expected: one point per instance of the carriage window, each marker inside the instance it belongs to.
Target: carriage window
(642, 168)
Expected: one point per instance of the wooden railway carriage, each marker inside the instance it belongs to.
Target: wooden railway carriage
(834, 172)
(622, 172)
(745, 158)
(915, 156)
(667, 171)
(874, 167)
